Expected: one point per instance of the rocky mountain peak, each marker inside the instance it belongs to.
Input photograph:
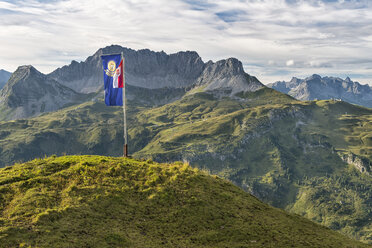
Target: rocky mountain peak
(293, 79)
(227, 77)
(25, 71)
(284, 86)
(20, 76)
(223, 68)
(232, 65)
(26, 68)
(294, 82)
(313, 77)
(30, 92)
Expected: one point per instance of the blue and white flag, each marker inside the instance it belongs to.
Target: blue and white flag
(113, 79)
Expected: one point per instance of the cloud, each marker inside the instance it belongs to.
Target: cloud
(231, 15)
(297, 37)
(290, 62)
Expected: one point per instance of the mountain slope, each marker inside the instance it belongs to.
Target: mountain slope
(278, 152)
(29, 93)
(316, 87)
(4, 77)
(93, 128)
(92, 201)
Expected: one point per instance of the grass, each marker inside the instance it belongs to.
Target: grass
(341, 201)
(96, 201)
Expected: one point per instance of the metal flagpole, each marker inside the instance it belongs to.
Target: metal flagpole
(125, 148)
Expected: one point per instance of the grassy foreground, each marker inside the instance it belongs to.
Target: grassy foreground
(96, 201)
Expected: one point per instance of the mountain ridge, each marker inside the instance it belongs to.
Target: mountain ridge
(149, 69)
(316, 87)
(143, 62)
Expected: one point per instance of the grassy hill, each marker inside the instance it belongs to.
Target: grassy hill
(96, 201)
(312, 158)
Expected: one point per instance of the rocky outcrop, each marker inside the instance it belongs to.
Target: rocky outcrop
(322, 88)
(227, 75)
(362, 164)
(29, 93)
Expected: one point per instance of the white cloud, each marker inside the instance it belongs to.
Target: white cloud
(301, 38)
(290, 62)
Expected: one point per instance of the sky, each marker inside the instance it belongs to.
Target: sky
(274, 39)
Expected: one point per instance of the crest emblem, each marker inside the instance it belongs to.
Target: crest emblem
(111, 68)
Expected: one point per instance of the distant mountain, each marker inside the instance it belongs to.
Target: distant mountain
(152, 70)
(96, 201)
(4, 77)
(29, 93)
(322, 88)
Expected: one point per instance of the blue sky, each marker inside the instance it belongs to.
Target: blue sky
(275, 39)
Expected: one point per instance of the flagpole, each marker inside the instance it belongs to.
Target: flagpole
(125, 148)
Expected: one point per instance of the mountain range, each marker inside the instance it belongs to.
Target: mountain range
(4, 77)
(311, 158)
(154, 70)
(316, 87)
(145, 70)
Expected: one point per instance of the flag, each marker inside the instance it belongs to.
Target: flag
(113, 79)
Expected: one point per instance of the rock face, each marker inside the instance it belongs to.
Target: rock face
(322, 88)
(143, 68)
(362, 164)
(29, 93)
(4, 77)
(154, 70)
(227, 75)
